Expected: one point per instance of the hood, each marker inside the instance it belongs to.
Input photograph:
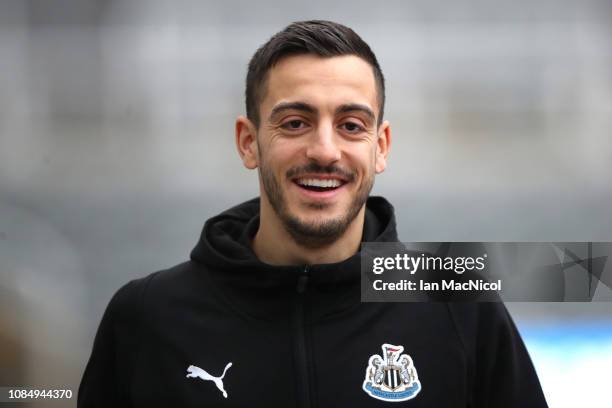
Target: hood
(225, 247)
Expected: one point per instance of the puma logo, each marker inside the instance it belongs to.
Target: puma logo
(193, 372)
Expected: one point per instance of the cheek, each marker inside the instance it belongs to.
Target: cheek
(287, 153)
(363, 160)
(278, 159)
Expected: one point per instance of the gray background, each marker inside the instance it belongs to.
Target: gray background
(116, 142)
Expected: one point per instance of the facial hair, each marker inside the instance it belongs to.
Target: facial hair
(313, 234)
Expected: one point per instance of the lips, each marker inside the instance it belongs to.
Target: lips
(319, 187)
(319, 184)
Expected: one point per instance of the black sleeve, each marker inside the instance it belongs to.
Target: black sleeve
(104, 383)
(502, 374)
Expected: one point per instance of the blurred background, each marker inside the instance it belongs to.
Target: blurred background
(116, 144)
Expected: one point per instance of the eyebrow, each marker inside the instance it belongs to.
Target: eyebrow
(352, 107)
(305, 107)
(299, 106)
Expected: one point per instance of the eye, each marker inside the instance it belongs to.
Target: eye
(352, 127)
(294, 124)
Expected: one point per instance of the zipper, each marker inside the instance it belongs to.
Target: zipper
(301, 355)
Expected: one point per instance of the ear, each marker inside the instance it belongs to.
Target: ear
(246, 142)
(383, 144)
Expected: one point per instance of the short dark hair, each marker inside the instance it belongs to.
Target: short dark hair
(318, 37)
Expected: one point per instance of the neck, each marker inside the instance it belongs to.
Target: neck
(274, 245)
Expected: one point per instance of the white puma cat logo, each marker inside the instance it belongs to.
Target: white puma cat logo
(193, 372)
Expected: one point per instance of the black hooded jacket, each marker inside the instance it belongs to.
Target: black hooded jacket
(296, 336)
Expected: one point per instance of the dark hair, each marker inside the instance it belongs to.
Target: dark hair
(319, 37)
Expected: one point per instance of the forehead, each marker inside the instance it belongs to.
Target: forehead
(325, 82)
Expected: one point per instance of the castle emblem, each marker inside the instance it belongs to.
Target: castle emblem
(392, 377)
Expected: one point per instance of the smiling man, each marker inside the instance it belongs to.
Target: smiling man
(317, 141)
(267, 311)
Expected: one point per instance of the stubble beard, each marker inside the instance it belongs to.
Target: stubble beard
(314, 234)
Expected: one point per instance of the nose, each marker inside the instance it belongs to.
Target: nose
(323, 145)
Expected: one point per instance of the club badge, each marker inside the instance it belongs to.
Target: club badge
(392, 377)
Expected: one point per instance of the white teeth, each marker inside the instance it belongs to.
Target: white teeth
(324, 183)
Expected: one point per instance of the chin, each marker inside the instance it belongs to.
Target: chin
(319, 210)
(317, 216)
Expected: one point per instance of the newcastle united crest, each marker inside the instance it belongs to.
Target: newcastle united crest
(392, 377)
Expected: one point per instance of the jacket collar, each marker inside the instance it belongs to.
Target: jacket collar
(225, 246)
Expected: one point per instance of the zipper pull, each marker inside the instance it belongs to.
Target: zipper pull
(302, 281)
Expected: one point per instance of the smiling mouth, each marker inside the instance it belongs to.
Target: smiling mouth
(319, 184)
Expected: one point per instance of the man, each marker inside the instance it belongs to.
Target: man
(267, 312)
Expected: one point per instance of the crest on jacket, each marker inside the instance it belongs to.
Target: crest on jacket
(391, 377)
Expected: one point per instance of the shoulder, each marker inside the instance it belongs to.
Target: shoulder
(485, 327)
(139, 294)
(473, 317)
(476, 316)
(504, 375)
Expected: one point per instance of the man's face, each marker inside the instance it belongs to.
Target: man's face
(318, 145)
